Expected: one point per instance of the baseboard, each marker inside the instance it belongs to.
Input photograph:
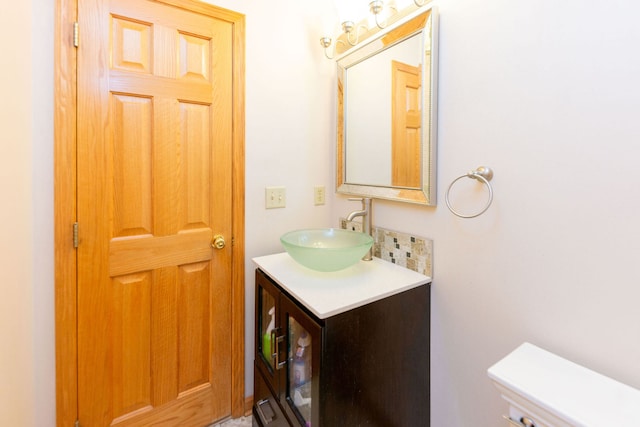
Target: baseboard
(248, 405)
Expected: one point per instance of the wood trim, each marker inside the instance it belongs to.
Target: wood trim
(206, 8)
(238, 240)
(64, 189)
(65, 209)
(405, 29)
(248, 406)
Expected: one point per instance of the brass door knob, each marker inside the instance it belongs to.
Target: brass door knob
(218, 241)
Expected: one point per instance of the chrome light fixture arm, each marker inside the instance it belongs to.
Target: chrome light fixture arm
(376, 7)
(325, 42)
(350, 28)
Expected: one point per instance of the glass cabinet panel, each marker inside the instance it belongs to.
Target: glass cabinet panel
(299, 373)
(266, 325)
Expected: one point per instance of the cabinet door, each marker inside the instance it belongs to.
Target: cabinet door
(299, 390)
(267, 329)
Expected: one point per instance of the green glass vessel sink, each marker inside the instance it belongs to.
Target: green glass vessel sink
(326, 249)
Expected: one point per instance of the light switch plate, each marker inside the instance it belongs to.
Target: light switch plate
(275, 197)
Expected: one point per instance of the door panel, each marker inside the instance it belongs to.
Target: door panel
(154, 186)
(406, 116)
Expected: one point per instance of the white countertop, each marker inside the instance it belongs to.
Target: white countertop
(328, 294)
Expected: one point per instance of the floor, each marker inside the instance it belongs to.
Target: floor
(238, 422)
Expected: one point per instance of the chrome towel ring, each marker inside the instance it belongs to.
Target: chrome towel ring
(482, 173)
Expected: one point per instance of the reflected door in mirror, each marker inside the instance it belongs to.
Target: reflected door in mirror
(406, 119)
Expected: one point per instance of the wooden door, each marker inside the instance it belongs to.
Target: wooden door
(406, 119)
(154, 179)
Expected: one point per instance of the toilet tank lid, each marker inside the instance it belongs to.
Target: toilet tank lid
(570, 391)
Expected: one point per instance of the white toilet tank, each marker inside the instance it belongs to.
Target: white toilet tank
(545, 390)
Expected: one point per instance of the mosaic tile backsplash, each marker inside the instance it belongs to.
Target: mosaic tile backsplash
(407, 250)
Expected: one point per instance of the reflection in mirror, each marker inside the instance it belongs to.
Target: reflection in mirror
(386, 114)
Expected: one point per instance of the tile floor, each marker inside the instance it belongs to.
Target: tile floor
(238, 422)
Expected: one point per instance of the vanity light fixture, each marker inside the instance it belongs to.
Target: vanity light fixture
(352, 31)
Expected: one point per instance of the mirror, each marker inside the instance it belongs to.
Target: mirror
(386, 139)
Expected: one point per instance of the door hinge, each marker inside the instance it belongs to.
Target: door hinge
(75, 236)
(76, 35)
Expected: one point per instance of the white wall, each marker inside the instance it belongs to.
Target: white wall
(547, 94)
(544, 92)
(42, 106)
(17, 390)
(290, 116)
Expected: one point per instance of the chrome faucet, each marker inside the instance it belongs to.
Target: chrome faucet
(365, 213)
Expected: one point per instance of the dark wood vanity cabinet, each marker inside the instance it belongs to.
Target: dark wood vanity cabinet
(368, 366)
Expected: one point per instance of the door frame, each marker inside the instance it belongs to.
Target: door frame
(65, 207)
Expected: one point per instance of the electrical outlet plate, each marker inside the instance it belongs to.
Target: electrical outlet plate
(275, 197)
(318, 195)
